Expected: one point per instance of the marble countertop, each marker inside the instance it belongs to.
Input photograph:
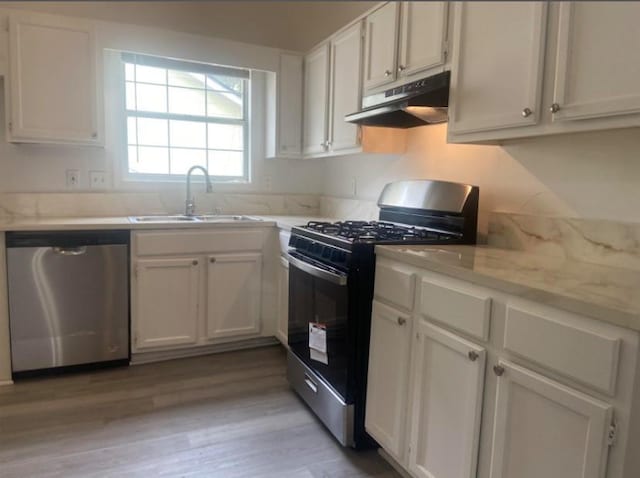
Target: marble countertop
(88, 223)
(610, 294)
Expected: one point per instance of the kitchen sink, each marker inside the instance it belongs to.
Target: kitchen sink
(160, 219)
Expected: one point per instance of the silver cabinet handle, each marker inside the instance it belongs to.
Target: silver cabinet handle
(70, 251)
(554, 108)
(310, 269)
(94, 135)
(212, 260)
(498, 370)
(310, 383)
(387, 72)
(401, 68)
(195, 263)
(402, 321)
(473, 355)
(526, 112)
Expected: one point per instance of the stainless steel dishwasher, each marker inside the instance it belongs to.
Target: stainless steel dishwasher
(68, 299)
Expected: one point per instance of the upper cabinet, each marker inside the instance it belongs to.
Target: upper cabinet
(54, 92)
(497, 78)
(532, 69)
(332, 89)
(596, 75)
(316, 101)
(403, 39)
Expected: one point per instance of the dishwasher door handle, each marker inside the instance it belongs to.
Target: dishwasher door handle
(70, 251)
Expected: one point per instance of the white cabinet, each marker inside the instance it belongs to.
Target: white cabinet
(165, 302)
(54, 94)
(381, 46)
(233, 294)
(596, 75)
(423, 32)
(448, 381)
(404, 39)
(346, 68)
(497, 68)
(316, 101)
(284, 108)
(387, 383)
(282, 330)
(543, 428)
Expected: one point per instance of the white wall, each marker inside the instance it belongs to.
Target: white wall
(591, 175)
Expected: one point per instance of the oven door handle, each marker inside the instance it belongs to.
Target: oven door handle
(317, 271)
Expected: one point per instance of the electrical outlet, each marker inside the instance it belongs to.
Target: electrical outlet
(267, 183)
(73, 178)
(97, 180)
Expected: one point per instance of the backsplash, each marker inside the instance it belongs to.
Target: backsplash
(603, 242)
(126, 204)
(341, 208)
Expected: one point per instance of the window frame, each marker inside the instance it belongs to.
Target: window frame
(191, 67)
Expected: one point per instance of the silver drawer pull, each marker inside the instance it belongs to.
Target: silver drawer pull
(310, 383)
(70, 251)
(498, 370)
(473, 355)
(402, 321)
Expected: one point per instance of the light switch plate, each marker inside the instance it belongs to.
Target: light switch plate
(73, 178)
(97, 180)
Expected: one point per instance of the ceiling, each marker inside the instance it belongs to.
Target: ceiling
(292, 25)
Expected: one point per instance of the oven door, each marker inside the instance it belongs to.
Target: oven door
(318, 309)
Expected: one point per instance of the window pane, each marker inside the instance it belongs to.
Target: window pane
(186, 101)
(151, 74)
(225, 83)
(225, 136)
(226, 163)
(183, 159)
(152, 132)
(188, 134)
(129, 72)
(131, 96)
(132, 156)
(184, 78)
(131, 131)
(225, 105)
(150, 161)
(151, 98)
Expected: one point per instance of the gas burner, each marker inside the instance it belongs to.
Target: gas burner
(375, 231)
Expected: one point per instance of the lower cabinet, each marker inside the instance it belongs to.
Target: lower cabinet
(282, 331)
(544, 428)
(387, 383)
(448, 381)
(166, 302)
(233, 294)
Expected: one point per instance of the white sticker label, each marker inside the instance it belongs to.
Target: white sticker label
(318, 356)
(318, 337)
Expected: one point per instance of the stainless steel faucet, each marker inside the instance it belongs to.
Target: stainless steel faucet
(190, 204)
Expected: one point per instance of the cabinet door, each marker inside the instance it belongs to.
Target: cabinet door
(381, 44)
(448, 378)
(316, 100)
(283, 301)
(543, 428)
(346, 62)
(387, 382)
(290, 106)
(597, 71)
(53, 82)
(165, 302)
(233, 295)
(497, 65)
(423, 29)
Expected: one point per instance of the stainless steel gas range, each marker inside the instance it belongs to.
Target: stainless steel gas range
(331, 278)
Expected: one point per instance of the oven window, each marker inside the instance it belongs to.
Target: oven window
(319, 301)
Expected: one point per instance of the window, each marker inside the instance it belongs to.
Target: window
(183, 114)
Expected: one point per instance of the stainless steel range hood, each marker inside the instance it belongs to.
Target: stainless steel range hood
(417, 103)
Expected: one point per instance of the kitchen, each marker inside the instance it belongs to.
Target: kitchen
(106, 109)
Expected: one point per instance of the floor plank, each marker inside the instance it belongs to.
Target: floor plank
(224, 415)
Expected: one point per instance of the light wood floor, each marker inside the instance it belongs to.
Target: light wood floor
(225, 415)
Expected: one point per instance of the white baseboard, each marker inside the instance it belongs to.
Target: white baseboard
(6, 382)
(396, 466)
(149, 357)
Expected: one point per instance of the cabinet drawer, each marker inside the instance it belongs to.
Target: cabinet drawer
(193, 242)
(462, 308)
(564, 345)
(394, 284)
